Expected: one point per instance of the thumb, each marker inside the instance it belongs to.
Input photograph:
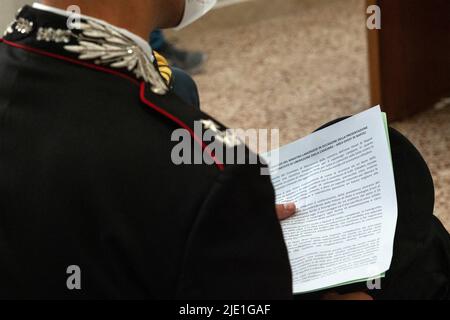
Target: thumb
(284, 211)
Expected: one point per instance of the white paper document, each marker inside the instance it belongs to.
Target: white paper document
(341, 179)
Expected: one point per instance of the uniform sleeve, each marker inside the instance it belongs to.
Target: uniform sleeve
(236, 248)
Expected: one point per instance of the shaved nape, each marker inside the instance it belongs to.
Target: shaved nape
(138, 16)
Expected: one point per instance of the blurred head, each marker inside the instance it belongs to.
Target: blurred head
(160, 13)
(180, 13)
(171, 12)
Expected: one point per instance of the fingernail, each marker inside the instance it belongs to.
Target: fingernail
(289, 207)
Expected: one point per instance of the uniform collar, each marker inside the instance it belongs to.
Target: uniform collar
(144, 45)
(102, 48)
(90, 41)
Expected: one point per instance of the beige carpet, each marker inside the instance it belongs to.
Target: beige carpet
(296, 64)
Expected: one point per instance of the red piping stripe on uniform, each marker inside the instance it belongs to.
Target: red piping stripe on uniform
(158, 109)
(181, 124)
(70, 60)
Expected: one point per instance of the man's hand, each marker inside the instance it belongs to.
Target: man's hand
(284, 211)
(349, 296)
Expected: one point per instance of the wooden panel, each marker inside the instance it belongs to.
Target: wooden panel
(374, 63)
(413, 71)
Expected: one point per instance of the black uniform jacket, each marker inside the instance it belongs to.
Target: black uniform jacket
(87, 180)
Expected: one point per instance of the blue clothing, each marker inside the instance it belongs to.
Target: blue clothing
(183, 85)
(185, 88)
(157, 39)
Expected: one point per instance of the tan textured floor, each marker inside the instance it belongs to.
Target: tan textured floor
(296, 64)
